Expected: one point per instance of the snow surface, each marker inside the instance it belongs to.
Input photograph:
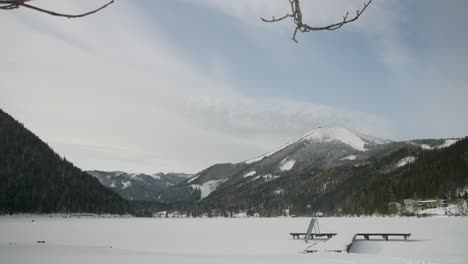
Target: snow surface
(342, 135)
(405, 161)
(224, 240)
(250, 174)
(350, 157)
(374, 140)
(452, 209)
(192, 179)
(266, 177)
(426, 146)
(156, 177)
(447, 143)
(339, 242)
(208, 187)
(126, 184)
(286, 164)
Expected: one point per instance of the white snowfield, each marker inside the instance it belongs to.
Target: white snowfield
(208, 187)
(156, 177)
(343, 135)
(224, 240)
(447, 143)
(193, 178)
(126, 184)
(405, 161)
(250, 174)
(287, 165)
(339, 242)
(350, 157)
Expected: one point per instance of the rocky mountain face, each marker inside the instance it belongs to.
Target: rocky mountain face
(138, 186)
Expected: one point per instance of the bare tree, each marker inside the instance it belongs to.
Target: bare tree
(296, 14)
(13, 4)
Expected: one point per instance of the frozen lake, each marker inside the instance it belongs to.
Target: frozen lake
(221, 240)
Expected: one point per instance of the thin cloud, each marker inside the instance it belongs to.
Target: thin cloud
(102, 84)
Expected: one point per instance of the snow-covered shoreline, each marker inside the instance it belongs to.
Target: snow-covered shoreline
(223, 240)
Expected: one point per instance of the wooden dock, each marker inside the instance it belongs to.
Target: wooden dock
(312, 235)
(342, 242)
(385, 236)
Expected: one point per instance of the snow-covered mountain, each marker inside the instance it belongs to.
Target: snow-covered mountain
(323, 160)
(359, 142)
(319, 149)
(138, 186)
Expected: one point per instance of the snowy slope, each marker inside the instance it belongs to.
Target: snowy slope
(207, 187)
(343, 135)
(319, 149)
(445, 143)
(325, 135)
(405, 161)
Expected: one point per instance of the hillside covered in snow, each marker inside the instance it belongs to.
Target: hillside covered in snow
(333, 170)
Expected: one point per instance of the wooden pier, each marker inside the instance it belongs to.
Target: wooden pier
(385, 236)
(312, 235)
(342, 242)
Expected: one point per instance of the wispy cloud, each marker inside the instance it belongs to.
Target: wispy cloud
(112, 92)
(381, 22)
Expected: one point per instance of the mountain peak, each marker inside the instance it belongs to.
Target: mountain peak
(330, 134)
(343, 135)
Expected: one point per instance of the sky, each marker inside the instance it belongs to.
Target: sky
(180, 85)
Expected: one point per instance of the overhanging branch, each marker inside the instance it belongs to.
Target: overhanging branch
(13, 4)
(296, 14)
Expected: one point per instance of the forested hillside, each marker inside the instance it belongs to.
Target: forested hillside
(435, 174)
(391, 173)
(35, 179)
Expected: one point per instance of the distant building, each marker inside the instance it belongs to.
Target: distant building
(161, 214)
(427, 204)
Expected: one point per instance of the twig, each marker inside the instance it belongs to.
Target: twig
(300, 26)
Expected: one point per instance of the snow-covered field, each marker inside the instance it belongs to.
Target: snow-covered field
(220, 240)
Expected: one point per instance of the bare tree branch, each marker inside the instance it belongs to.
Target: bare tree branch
(296, 14)
(13, 4)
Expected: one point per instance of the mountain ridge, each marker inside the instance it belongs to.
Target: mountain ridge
(138, 186)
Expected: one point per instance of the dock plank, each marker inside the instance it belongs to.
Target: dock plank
(312, 235)
(342, 242)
